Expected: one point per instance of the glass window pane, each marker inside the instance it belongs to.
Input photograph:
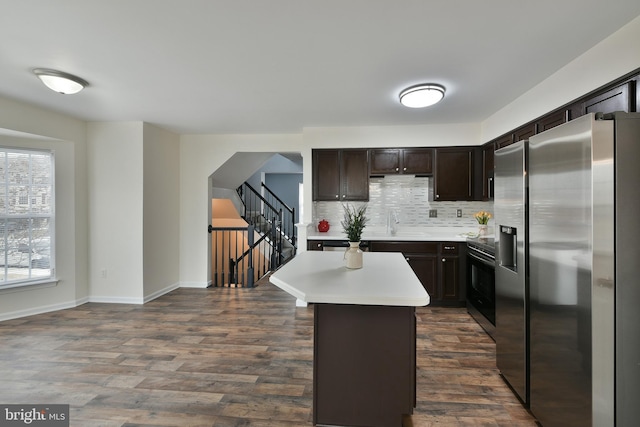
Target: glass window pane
(18, 168)
(26, 209)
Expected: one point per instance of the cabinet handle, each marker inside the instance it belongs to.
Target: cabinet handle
(449, 247)
(404, 169)
(407, 258)
(490, 180)
(396, 169)
(444, 260)
(337, 197)
(319, 245)
(437, 196)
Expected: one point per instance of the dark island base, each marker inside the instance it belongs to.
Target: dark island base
(364, 365)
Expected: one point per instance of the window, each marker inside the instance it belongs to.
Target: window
(26, 216)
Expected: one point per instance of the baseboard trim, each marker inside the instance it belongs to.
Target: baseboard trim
(116, 300)
(100, 299)
(38, 310)
(161, 292)
(195, 284)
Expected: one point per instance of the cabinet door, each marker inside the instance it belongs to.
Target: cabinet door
(354, 174)
(385, 161)
(326, 174)
(552, 120)
(525, 132)
(616, 99)
(503, 141)
(487, 171)
(454, 174)
(425, 267)
(417, 161)
(314, 245)
(450, 278)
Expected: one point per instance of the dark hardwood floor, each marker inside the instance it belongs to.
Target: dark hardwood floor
(228, 357)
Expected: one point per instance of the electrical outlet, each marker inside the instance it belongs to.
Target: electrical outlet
(459, 213)
(433, 213)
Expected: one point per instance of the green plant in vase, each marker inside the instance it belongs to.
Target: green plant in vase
(354, 221)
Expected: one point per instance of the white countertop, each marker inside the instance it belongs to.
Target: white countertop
(321, 277)
(422, 234)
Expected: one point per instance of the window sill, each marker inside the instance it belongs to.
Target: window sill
(49, 282)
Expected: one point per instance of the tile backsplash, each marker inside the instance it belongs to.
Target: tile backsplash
(411, 198)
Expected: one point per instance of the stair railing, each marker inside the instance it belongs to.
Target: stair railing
(238, 258)
(288, 219)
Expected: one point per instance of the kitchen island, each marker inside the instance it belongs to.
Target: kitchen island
(364, 363)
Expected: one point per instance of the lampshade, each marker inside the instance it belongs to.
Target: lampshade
(59, 81)
(422, 95)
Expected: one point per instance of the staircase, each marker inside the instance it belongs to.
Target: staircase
(243, 255)
(270, 216)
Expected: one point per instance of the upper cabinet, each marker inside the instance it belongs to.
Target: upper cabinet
(620, 98)
(385, 161)
(454, 174)
(390, 161)
(487, 171)
(524, 132)
(341, 175)
(503, 141)
(552, 120)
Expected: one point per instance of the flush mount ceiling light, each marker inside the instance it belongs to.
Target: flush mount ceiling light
(422, 95)
(59, 81)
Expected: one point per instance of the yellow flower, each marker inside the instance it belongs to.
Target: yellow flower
(482, 217)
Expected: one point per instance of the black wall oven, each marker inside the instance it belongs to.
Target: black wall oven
(481, 290)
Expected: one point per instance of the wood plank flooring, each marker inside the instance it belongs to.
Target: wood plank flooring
(226, 357)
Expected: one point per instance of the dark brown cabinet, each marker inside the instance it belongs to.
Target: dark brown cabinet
(425, 267)
(451, 273)
(389, 161)
(620, 98)
(454, 174)
(503, 141)
(385, 161)
(315, 245)
(417, 161)
(524, 132)
(340, 175)
(552, 120)
(487, 171)
(440, 266)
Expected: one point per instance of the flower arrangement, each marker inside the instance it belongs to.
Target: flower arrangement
(482, 217)
(354, 221)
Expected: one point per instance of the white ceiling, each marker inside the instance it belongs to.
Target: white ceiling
(276, 66)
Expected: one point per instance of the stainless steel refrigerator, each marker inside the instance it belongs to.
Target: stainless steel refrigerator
(567, 296)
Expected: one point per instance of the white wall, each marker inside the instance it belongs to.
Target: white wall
(617, 55)
(115, 170)
(161, 219)
(200, 156)
(65, 135)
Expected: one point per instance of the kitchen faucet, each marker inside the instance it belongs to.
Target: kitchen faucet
(392, 222)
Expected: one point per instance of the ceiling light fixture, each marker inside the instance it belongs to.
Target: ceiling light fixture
(59, 81)
(422, 95)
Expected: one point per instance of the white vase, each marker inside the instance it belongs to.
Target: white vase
(483, 230)
(353, 256)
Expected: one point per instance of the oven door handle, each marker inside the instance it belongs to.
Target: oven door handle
(482, 260)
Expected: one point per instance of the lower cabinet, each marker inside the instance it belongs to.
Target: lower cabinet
(440, 266)
(315, 245)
